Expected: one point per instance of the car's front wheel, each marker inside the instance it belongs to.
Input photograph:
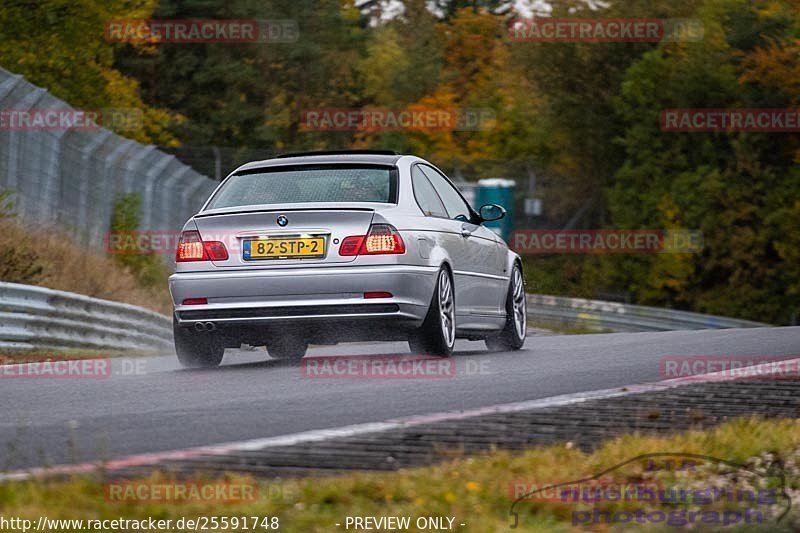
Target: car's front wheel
(437, 335)
(513, 335)
(196, 350)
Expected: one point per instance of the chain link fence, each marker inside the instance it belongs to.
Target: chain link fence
(70, 177)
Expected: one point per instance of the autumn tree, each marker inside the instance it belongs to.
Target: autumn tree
(60, 45)
(251, 95)
(739, 188)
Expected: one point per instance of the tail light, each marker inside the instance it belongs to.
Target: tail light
(381, 239)
(192, 248)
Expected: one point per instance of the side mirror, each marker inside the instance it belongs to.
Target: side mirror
(491, 212)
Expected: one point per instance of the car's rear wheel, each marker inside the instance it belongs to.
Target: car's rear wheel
(513, 335)
(437, 335)
(197, 350)
(287, 348)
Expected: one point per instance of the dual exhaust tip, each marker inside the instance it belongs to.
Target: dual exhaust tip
(204, 326)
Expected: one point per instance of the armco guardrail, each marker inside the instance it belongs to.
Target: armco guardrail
(39, 317)
(610, 316)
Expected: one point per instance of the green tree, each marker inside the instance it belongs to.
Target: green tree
(59, 45)
(147, 266)
(251, 95)
(731, 186)
(578, 85)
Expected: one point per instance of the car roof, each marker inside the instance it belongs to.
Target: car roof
(324, 158)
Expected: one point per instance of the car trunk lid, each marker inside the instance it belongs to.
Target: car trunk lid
(274, 238)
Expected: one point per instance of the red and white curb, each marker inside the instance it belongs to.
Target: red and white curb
(766, 371)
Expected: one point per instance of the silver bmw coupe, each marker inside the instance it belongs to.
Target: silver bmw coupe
(328, 247)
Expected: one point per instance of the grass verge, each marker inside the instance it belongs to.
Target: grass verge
(565, 329)
(47, 257)
(42, 355)
(476, 491)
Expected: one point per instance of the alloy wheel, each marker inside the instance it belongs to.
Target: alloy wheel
(447, 308)
(518, 304)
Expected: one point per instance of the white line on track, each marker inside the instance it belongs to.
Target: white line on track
(765, 372)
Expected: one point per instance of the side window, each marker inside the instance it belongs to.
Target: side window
(456, 207)
(426, 196)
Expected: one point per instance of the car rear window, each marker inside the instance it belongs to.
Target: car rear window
(307, 185)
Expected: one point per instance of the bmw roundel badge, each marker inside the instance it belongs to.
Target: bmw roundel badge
(282, 221)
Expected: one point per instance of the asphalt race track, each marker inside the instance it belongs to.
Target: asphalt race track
(157, 406)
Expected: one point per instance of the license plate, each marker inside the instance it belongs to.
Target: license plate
(283, 248)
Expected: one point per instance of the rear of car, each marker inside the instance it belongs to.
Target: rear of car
(296, 251)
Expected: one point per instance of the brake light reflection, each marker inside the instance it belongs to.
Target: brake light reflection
(377, 294)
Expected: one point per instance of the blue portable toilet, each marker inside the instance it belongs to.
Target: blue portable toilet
(501, 192)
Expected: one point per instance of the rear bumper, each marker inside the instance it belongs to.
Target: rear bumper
(304, 295)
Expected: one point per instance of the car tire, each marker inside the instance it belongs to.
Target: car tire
(437, 335)
(287, 348)
(196, 350)
(513, 335)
